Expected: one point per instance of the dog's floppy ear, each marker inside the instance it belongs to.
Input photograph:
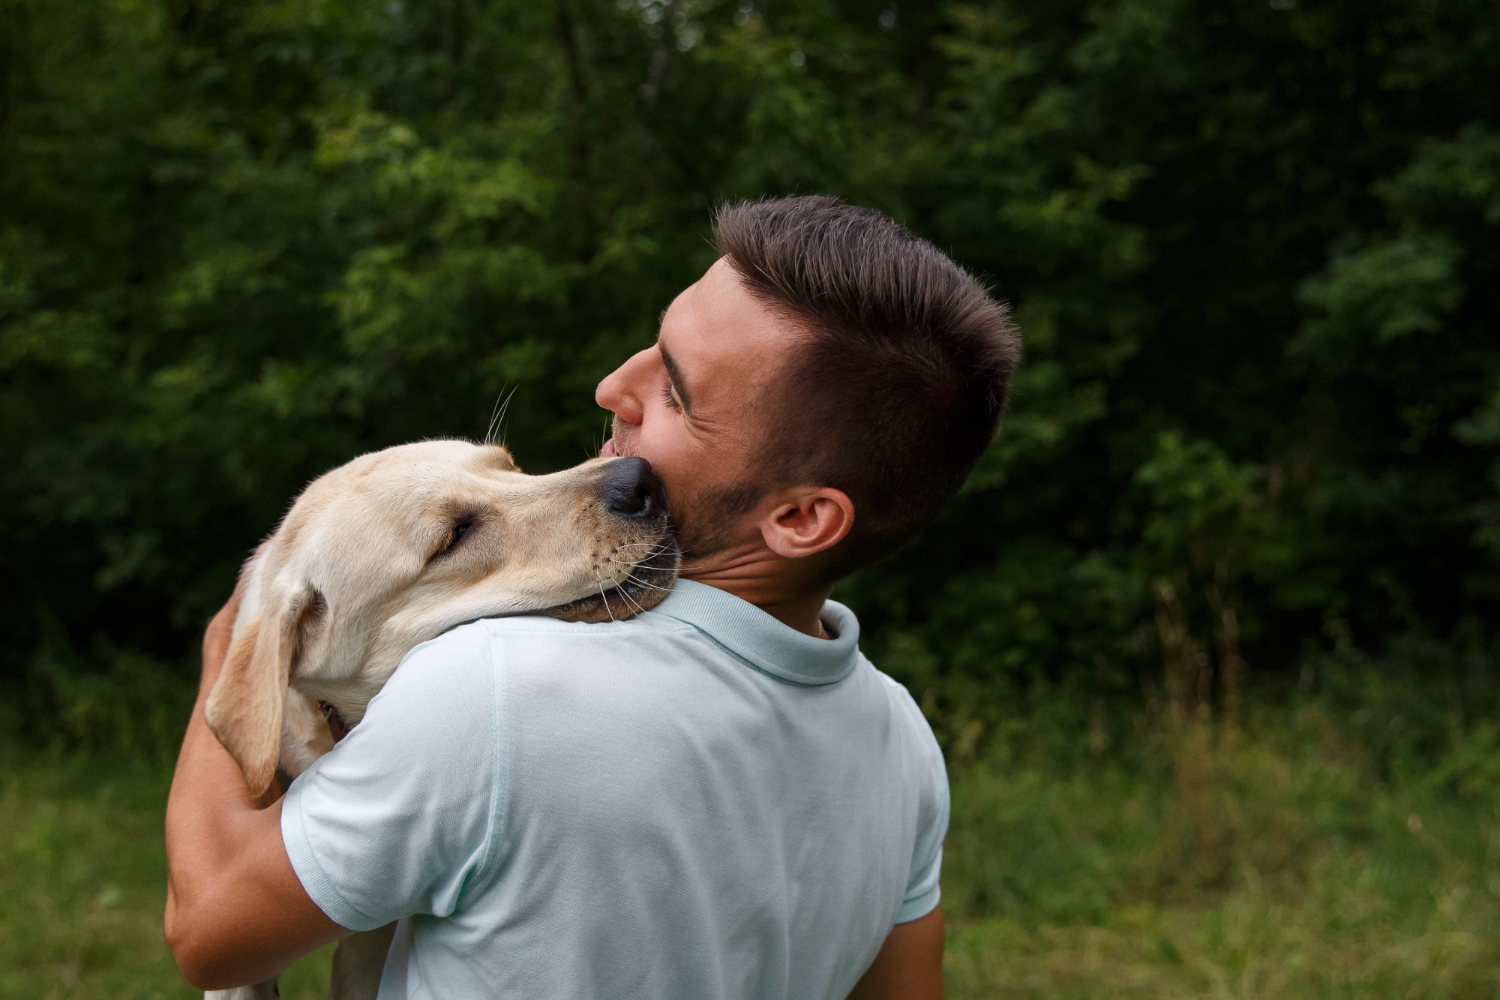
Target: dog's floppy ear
(244, 708)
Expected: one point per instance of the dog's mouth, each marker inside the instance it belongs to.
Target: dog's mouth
(643, 588)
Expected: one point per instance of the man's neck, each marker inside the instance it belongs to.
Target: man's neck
(756, 574)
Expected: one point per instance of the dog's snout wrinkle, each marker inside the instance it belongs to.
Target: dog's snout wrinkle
(632, 490)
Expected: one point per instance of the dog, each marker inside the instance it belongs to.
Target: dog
(395, 548)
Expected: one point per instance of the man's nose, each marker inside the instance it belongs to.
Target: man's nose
(630, 489)
(616, 394)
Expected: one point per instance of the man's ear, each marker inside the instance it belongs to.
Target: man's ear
(244, 708)
(807, 521)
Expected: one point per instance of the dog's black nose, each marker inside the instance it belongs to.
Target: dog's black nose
(631, 489)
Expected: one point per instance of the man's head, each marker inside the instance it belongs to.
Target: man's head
(824, 388)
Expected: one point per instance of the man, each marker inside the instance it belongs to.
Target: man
(720, 798)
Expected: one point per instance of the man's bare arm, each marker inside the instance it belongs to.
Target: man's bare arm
(236, 912)
(910, 963)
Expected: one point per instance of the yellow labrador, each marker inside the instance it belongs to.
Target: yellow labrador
(393, 549)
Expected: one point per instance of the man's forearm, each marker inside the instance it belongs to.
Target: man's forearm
(236, 913)
(213, 832)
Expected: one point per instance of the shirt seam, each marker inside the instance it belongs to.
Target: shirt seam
(904, 914)
(499, 809)
(931, 865)
(678, 627)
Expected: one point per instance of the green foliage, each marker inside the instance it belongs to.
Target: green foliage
(1247, 243)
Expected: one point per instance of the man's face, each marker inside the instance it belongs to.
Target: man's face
(694, 405)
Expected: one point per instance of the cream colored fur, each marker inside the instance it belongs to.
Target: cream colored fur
(386, 552)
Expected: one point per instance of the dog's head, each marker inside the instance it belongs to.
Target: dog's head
(401, 545)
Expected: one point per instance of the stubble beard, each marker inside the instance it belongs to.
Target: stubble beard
(707, 525)
(704, 518)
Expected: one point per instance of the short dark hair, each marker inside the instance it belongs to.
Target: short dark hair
(901, 382)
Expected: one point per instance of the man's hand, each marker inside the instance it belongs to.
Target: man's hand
(236, 912)
(910, 963)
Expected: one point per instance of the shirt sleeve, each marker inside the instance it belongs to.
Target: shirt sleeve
(401, 815)
(923, 890)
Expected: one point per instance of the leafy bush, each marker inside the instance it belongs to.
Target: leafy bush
(1258, 422)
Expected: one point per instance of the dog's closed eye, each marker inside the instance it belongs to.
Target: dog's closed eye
(457, 532)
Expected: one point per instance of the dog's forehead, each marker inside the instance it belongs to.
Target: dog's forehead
(423, 460)
(390, 494)
(480, 456)
(441, 468)
(405, 480)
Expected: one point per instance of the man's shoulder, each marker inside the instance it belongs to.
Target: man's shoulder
(537, 633)
(904, 709)
(531, 643)
(471, 637)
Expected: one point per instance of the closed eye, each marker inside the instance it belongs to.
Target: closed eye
(456, 534)
(669, 398)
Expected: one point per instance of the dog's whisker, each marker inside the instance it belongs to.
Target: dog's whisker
(605, 599)
(504, 408)
(640, 608)
(652, 552)
(628, 600)
(630, 572)
(630, 564)
(489, 432)
(642, 585)
(503, 411)
(632, 578)
(629, 567)
(656, 547)
(371, 631)
(630, 556)
(604, 436)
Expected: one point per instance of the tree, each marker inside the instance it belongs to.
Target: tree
(1246, 241)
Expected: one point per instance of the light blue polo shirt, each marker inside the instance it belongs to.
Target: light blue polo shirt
(697, 803)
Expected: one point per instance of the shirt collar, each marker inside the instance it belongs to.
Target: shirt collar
(763, 641)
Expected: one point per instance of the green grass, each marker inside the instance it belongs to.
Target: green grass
(1277, 861)
(83, 882)
(1274, 862)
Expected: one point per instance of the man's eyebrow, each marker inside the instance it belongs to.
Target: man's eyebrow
(675, 375)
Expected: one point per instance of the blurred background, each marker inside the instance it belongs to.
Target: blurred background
(1210, 638)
